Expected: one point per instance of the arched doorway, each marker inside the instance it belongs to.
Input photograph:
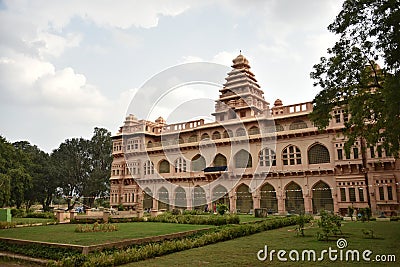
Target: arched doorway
(198, 163)
(199, 198)
(147, 199)
(180, 198)
(220, 195)
(322, 197)
(163, 199)
(294, 201)
(268, 198)
(244, 200)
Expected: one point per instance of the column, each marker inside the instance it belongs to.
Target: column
(232, 201)
(281, 202)
(256, 199)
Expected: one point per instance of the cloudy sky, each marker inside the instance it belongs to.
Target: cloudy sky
(69, 66)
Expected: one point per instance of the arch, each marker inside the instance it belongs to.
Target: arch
(243, 159)
(291, 155)
(317, 154)
(180, 165)
(198, 163)
(298, 124)
(220, 195)
(254, 130)
(294, 202)
(164, 166)
(216, 135)
(228, 133)
(268, 198)
(267, 157)
(279, 128)
(148, 168)
(240, 132)
(192, 138)
(322, 197)
(199, 197)
(220, 160)
(244, 199)
(149, 144)
(163, 199)
(180, 197)
(147, 199)
(205, 136)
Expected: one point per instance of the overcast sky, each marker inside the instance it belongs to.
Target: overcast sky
(69, 66)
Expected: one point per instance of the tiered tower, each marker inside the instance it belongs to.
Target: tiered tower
(241, 96)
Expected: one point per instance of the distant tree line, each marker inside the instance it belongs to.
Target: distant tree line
(77, 168)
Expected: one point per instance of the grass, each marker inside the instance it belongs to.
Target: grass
(65, 233)
(242, 251)
(251, 218)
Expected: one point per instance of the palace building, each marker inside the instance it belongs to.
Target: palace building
(252, 156)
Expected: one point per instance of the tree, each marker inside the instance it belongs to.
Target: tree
(71, 167)
(97, 184)
(351, 78)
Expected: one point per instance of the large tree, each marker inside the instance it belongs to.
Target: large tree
(350, 76)
(97, 184)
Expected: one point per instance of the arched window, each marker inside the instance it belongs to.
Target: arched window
(148, 168)
(267, 157)
(149, 144)
(291, 155)
(219, 160)
(205, 136)
(318, 154)
(228, 133)
(198, 163)
(279, 128)
(163, 166)
(192, 138)
(216, 135)
(254, 130)
(243, 159)
(240, 132)
(180, 165)
(299, 124)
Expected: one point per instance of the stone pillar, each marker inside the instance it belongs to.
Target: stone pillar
(335, 201)
(232, 202)
(155, 204)
(307, 204)
(106, 216)
(256, 199)
(281, 203)
(72, 215)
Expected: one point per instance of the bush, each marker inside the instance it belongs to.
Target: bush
(195, 212)
(330, 225)
(18, 213)
(43, 215)
(6, 225)
(196, 219)
(222, 208)
(77, 220)
(97, 227)
(125, 220)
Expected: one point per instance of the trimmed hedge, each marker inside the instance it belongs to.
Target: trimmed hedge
(151, 250)
(196, 219)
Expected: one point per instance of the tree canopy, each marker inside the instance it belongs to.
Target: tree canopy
(361, 73)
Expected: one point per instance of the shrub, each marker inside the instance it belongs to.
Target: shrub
(6, 225)
(18, 213)
(196, 219)
(126, 220)
(96, 227)
(330, 224)
(222, 208)
(86, 220)
(43, 215)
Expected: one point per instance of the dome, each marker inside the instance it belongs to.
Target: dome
(240, 62)
(160, 120)
(278, 103)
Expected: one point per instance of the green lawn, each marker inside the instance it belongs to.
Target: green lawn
(65, 233)
(242, 251)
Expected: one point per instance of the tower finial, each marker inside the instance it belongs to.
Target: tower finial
(240, 51)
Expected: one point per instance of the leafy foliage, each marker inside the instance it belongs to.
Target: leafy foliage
(196, 219)
(222, 208)
(96, 227)
(330, 225)
(351, 79)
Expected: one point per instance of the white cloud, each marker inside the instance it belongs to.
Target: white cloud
(55, 45)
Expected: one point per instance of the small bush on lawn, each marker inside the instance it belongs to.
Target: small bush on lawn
(330, 225)
(125, 220)
(96, 227)
(18, 213)
(86, 220)
(195, 212)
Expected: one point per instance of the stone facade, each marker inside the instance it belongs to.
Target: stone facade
(252, 156)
